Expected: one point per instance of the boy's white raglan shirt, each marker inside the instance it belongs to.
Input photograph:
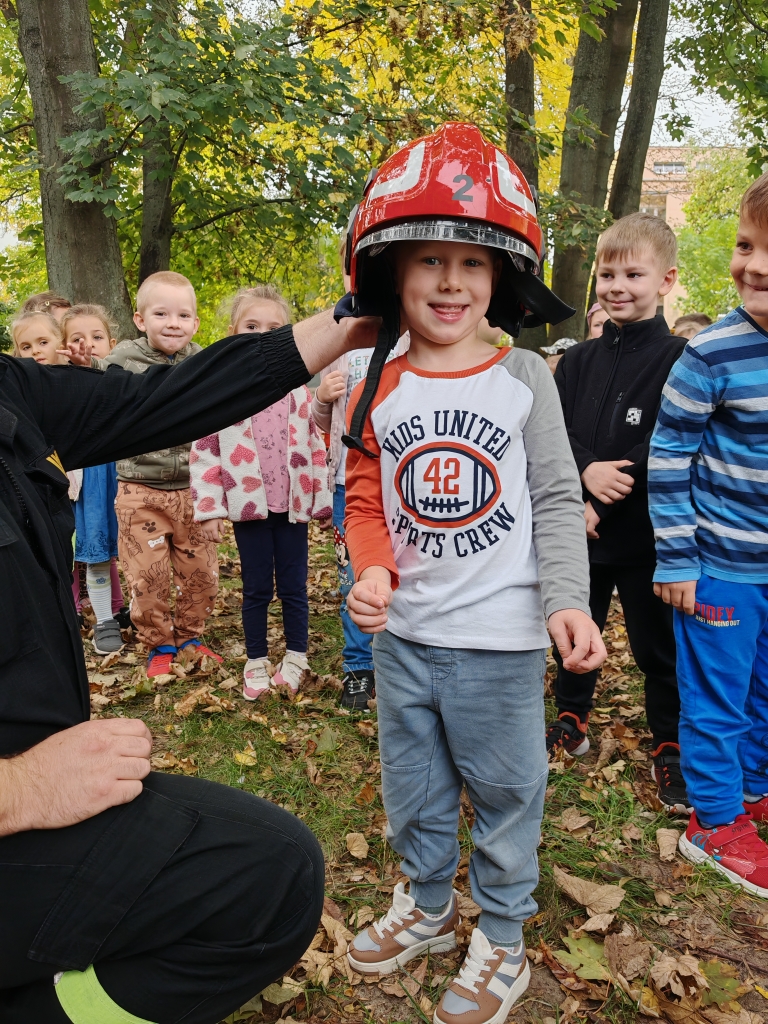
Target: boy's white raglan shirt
(474, 504)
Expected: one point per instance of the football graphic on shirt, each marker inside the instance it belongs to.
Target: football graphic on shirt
(444, 484)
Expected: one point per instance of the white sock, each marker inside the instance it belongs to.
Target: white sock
(99, 584)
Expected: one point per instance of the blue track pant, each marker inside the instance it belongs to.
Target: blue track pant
(722, 673)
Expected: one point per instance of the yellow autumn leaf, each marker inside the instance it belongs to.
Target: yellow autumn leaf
(246, 757)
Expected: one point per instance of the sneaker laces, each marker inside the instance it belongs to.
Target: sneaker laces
(389, 921)
(354, 685)
(471, 973)
(560, 728)
(669, 774)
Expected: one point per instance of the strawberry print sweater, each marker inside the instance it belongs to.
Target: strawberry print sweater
(225, 472)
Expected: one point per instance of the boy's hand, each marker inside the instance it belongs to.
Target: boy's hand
(369, 599)
(591, 519)
(325, 524)
(212, 529)
(680, 595)
(606, 481)
(331, 387)
(78, 352)
(577, 639)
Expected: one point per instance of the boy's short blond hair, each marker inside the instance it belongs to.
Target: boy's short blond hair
(162, 277)
(90, 309)
(754, 202)
(267, 292)
(31, 314)
(634, 234)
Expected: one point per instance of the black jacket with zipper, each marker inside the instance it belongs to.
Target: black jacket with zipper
(610, 389)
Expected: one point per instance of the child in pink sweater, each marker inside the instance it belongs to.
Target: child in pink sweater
(268, 475)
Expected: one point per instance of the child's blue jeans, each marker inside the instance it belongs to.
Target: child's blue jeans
(454, 716)
(357, 654)
(722, 672)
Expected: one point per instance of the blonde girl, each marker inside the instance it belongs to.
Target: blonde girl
(269, 476)
(92, 326)
(37, 335)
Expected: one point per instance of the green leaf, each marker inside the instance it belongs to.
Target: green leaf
(724, 986)
(586, 958)
(327, 741)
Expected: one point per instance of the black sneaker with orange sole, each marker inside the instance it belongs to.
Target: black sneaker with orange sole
(569, 733)
(668, 776)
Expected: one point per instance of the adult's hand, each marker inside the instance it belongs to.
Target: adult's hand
(320, 339)
(606, 481)
(74, 774)
(680, 595)
(369, 598)
(578, 640)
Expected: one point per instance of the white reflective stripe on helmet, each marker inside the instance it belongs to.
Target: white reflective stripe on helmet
(403, 182)
(508, 187)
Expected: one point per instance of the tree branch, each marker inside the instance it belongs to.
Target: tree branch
(229, 213)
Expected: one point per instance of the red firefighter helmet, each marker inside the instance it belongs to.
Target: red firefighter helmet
(453, 186)
(450, 186)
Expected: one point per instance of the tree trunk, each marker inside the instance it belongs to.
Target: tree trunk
(599, 73)
(81, 249)
(520, 95)
(647, 73)
(156, 209)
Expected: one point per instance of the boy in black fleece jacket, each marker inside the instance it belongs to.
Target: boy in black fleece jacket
(610, 388)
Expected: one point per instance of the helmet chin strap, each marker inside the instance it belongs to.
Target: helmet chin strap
(389, 333)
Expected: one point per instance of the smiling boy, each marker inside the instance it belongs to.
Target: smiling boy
(464, 527)
(708, 488)
(610, 388)
(157, 531)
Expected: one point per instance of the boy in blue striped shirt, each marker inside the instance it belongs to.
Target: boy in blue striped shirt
(708, 494)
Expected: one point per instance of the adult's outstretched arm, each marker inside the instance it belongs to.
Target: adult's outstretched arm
(92, 417)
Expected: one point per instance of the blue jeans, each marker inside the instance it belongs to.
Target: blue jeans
(449, 717)
(357, 653)
(722, 673)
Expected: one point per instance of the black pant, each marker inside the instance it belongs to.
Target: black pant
(274, 548)
(651, 637)
(234, 906)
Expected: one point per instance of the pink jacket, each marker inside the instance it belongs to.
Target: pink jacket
(225, 476)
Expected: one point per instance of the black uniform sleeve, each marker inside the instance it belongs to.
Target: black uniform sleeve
(92, 417)
(582, 456)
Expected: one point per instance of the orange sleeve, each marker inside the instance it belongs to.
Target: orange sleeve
(365, 523)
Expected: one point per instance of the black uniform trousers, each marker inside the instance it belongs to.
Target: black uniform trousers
(231, 910)
(651, 637)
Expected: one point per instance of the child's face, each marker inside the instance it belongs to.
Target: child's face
(257, 317)
(628, 288)
(749, 269)
(35, 340)
(90, 330)
(169, 317)
(445, 288)
(596, 322)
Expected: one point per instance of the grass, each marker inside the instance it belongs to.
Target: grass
(321, 763)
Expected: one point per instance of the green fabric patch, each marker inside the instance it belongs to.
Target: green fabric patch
(85, 1002)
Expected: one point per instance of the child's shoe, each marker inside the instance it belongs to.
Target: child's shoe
(757, 809)
(256, 678)
(736, 851)
(667, 775)
(290, 669)
(569, 732)
(123, 617)
(402, 934)
(106, 637)
(194, 642)
(491, 979)
(359, 688)
(159, 660)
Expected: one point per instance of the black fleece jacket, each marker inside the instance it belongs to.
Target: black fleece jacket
(610, 389)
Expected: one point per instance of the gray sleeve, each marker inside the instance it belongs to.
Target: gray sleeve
(559, 534)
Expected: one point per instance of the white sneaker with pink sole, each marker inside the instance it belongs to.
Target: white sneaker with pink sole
(290, 670)
(256, 678)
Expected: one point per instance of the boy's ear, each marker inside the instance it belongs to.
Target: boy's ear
(138, 319)
(669, 280)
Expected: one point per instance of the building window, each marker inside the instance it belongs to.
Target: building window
(669, 168)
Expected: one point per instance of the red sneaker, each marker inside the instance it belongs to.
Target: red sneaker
(736, 851)
(202, 648)
(159, 663)
(569, 732)
(757, 811)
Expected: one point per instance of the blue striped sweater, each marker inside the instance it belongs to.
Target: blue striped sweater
(708, 464)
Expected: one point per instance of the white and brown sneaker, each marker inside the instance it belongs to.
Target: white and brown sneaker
(402, 934)
(491, 979)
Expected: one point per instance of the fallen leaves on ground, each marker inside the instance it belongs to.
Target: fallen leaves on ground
(357, 845)
(666, 840)
(598, 899)
(585, 958)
